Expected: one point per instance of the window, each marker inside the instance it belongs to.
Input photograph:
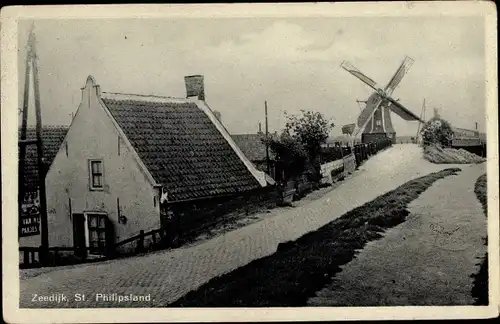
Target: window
(96, 175)
(97, 232)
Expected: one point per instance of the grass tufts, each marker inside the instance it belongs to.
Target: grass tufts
(480, 284)
(298, 269)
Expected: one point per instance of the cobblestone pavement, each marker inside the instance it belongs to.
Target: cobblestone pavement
(425, 261)
(168, 275)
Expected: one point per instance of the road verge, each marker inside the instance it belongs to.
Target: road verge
(480, 288)
(300, 268)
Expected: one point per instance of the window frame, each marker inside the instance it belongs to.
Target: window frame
(92, 187)
(101, 243)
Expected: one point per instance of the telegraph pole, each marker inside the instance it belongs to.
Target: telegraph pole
(267, 138)
(41, 163)
(31, 62)
(422, 116)
(24, 124)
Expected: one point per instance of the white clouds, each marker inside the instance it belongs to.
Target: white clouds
(293, 64)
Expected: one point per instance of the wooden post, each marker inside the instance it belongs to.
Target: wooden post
(41, 164)
(26, 258)
(24, 124)
(267, 145)
(140, 242)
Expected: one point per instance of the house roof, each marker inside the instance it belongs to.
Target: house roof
(52, 138)
(180, 146)
(251, 145)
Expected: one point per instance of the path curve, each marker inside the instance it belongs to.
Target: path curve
(427, 260)
(169, 275)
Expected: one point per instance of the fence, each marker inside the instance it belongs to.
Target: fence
(337, 162)
(157, 239)
(363, 151)
(194, 220)
(30, 257)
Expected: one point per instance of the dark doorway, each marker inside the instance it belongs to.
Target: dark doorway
(79, 240)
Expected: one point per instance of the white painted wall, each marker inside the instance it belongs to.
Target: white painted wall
(93, 135)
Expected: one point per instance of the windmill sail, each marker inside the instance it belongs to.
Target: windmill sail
(398, 76)
(358, 74)
(401, 111)
(366, 115)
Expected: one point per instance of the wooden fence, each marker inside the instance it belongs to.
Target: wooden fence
(31, 256)
(157, 238)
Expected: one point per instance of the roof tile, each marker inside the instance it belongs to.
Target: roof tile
(181, 148)
(52, 138)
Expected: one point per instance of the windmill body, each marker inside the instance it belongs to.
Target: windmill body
(379, 125)
(374, 122)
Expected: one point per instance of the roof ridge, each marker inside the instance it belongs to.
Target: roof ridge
(142, 95)
(46, 126)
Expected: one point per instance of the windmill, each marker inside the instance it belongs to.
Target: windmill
(375, 119)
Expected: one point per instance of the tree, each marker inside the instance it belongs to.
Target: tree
(298, 147)
(289, 153)
(311, 129)
(436, 131)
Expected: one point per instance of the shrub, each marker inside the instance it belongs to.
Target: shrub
(436, 131)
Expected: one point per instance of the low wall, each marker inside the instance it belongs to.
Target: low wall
(198, 215)
(331, 171)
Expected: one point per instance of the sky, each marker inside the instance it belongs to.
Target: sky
(292, 64)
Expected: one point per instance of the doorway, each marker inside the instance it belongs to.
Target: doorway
(92, 231)
(79, 237)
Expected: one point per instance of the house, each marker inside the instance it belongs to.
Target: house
(133, 162)
(255, 150)
(29, 220)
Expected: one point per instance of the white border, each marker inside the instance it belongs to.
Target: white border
(9, 18)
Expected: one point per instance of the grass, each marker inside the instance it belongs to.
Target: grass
(300, 268)
(480, 285)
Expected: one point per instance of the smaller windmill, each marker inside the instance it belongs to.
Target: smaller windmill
(375, 119)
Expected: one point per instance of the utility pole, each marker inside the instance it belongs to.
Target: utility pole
(422, 116)
(267, 144)
(44, 230)
(31, 62)
(24, 124)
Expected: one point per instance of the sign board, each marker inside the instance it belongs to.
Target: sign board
(29, 217)
(466, 141)
(462, 132)
(349, 163)
(348, 129)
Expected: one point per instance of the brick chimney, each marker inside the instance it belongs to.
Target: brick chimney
(195, 86)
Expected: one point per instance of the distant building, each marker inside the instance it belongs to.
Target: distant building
(467, 137)
(255, 150)
(135, 162)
